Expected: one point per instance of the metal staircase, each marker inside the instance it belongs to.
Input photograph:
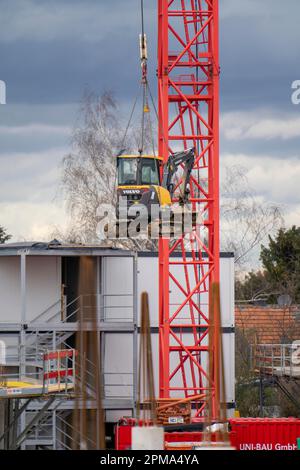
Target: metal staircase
(41, 336)
(38, 342)
(55, 431)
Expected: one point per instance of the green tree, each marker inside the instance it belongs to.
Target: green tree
(281, 260)
(280, 272)
(4, 236)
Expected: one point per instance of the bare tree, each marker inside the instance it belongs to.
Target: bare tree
(89, 170)
(246, 221)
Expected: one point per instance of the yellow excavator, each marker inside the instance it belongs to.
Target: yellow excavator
(144, 179)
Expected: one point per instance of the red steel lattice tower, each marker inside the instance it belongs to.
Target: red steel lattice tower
(188, 96)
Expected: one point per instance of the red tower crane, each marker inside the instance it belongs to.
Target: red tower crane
(188, 97)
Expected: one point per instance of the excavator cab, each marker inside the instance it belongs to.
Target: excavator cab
(138, 171)
(136, 175)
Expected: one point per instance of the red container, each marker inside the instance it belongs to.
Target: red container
(246, 434)
(123, 437)
(265, 433)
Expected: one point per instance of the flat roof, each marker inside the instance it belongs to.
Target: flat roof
(56, 248)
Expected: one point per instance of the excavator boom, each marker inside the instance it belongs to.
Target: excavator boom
(183, 159)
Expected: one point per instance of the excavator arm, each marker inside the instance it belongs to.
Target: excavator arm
(185, 159)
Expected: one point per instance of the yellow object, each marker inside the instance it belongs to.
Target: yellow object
(237, 414)
(20, 388)
(141, 156)
(136, 186)
(163, 195)
(18, 384)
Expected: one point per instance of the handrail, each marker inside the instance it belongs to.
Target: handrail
(56, 313)
(66, 307)
(44, 312)
(73, 429)
(275, 359)
(76, 299)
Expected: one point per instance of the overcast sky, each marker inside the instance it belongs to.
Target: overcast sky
(51, 51)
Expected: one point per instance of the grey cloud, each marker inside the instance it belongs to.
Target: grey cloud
(89, 20)
(30, 176)
(52, 51)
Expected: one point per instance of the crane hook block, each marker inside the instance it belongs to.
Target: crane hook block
(143, 47)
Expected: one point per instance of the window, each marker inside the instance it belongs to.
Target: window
(138, 171)
(127, 171)
(149, 171)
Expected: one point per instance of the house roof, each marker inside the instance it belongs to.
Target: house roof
(268, 325)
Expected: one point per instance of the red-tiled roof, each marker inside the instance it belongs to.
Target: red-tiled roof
(268, 325)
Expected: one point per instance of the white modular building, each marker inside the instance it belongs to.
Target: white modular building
(40, 301)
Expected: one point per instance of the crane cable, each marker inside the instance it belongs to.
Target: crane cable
(122, 149)
(145, 89)
(142, 17)
(144, 67)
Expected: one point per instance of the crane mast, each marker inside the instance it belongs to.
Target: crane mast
(188, 109)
